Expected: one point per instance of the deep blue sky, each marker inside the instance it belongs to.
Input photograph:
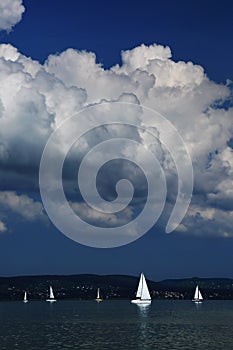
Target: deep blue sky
(199, 31)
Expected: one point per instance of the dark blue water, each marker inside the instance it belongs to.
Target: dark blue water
(115, 325)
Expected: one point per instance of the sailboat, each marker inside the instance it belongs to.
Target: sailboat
(51, 295)
(143, 295)
(25, 300)
(197, 295)
(98, 298)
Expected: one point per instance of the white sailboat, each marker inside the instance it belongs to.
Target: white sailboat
(98, 298)
(51, 295)
(198, 298)
(25, 300)
(143, 295)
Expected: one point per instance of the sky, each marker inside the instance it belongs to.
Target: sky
(173, 57)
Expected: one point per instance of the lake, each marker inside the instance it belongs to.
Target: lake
(115, 325)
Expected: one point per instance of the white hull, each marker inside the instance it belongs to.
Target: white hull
(141, 302)
(25, 301)
(197, 301)
(51, 300)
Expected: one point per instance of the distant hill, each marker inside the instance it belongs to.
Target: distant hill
(112, 286)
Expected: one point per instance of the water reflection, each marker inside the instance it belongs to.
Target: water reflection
(143, 313)
(137, 328)
(198, 305)
(143, 310)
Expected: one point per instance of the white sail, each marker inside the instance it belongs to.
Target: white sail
(196, 294)
(51, 295)
(98, 297)
(139, 291)
(145, 291)
(25, 297)
(200, 297)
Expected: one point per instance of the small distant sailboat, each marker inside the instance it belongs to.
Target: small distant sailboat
(198, 298)
(51, 295)
(25, 299)
(98, 298)
(143, 295)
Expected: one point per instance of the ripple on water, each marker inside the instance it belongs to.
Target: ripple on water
(116, 325)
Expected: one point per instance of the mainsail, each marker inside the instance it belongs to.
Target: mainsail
(140, 285)
(98, 297)
(51, 295)
(196, 294)
(145, 294)
(200, 296)
(25, 297)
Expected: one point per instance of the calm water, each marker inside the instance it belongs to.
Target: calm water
(115, 325)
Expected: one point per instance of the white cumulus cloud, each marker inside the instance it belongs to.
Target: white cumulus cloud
(101, 218)
(10, 13)
(3, 227)
(35, 98)
(208, 221)
(22, 205)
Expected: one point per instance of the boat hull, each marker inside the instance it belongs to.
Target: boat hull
(51, 300)
(141, 302)
(197, 301)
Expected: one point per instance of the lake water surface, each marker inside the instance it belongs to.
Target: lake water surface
(116, 325)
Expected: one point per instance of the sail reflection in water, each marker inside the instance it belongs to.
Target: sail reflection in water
(144, 325)
(143, 310)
